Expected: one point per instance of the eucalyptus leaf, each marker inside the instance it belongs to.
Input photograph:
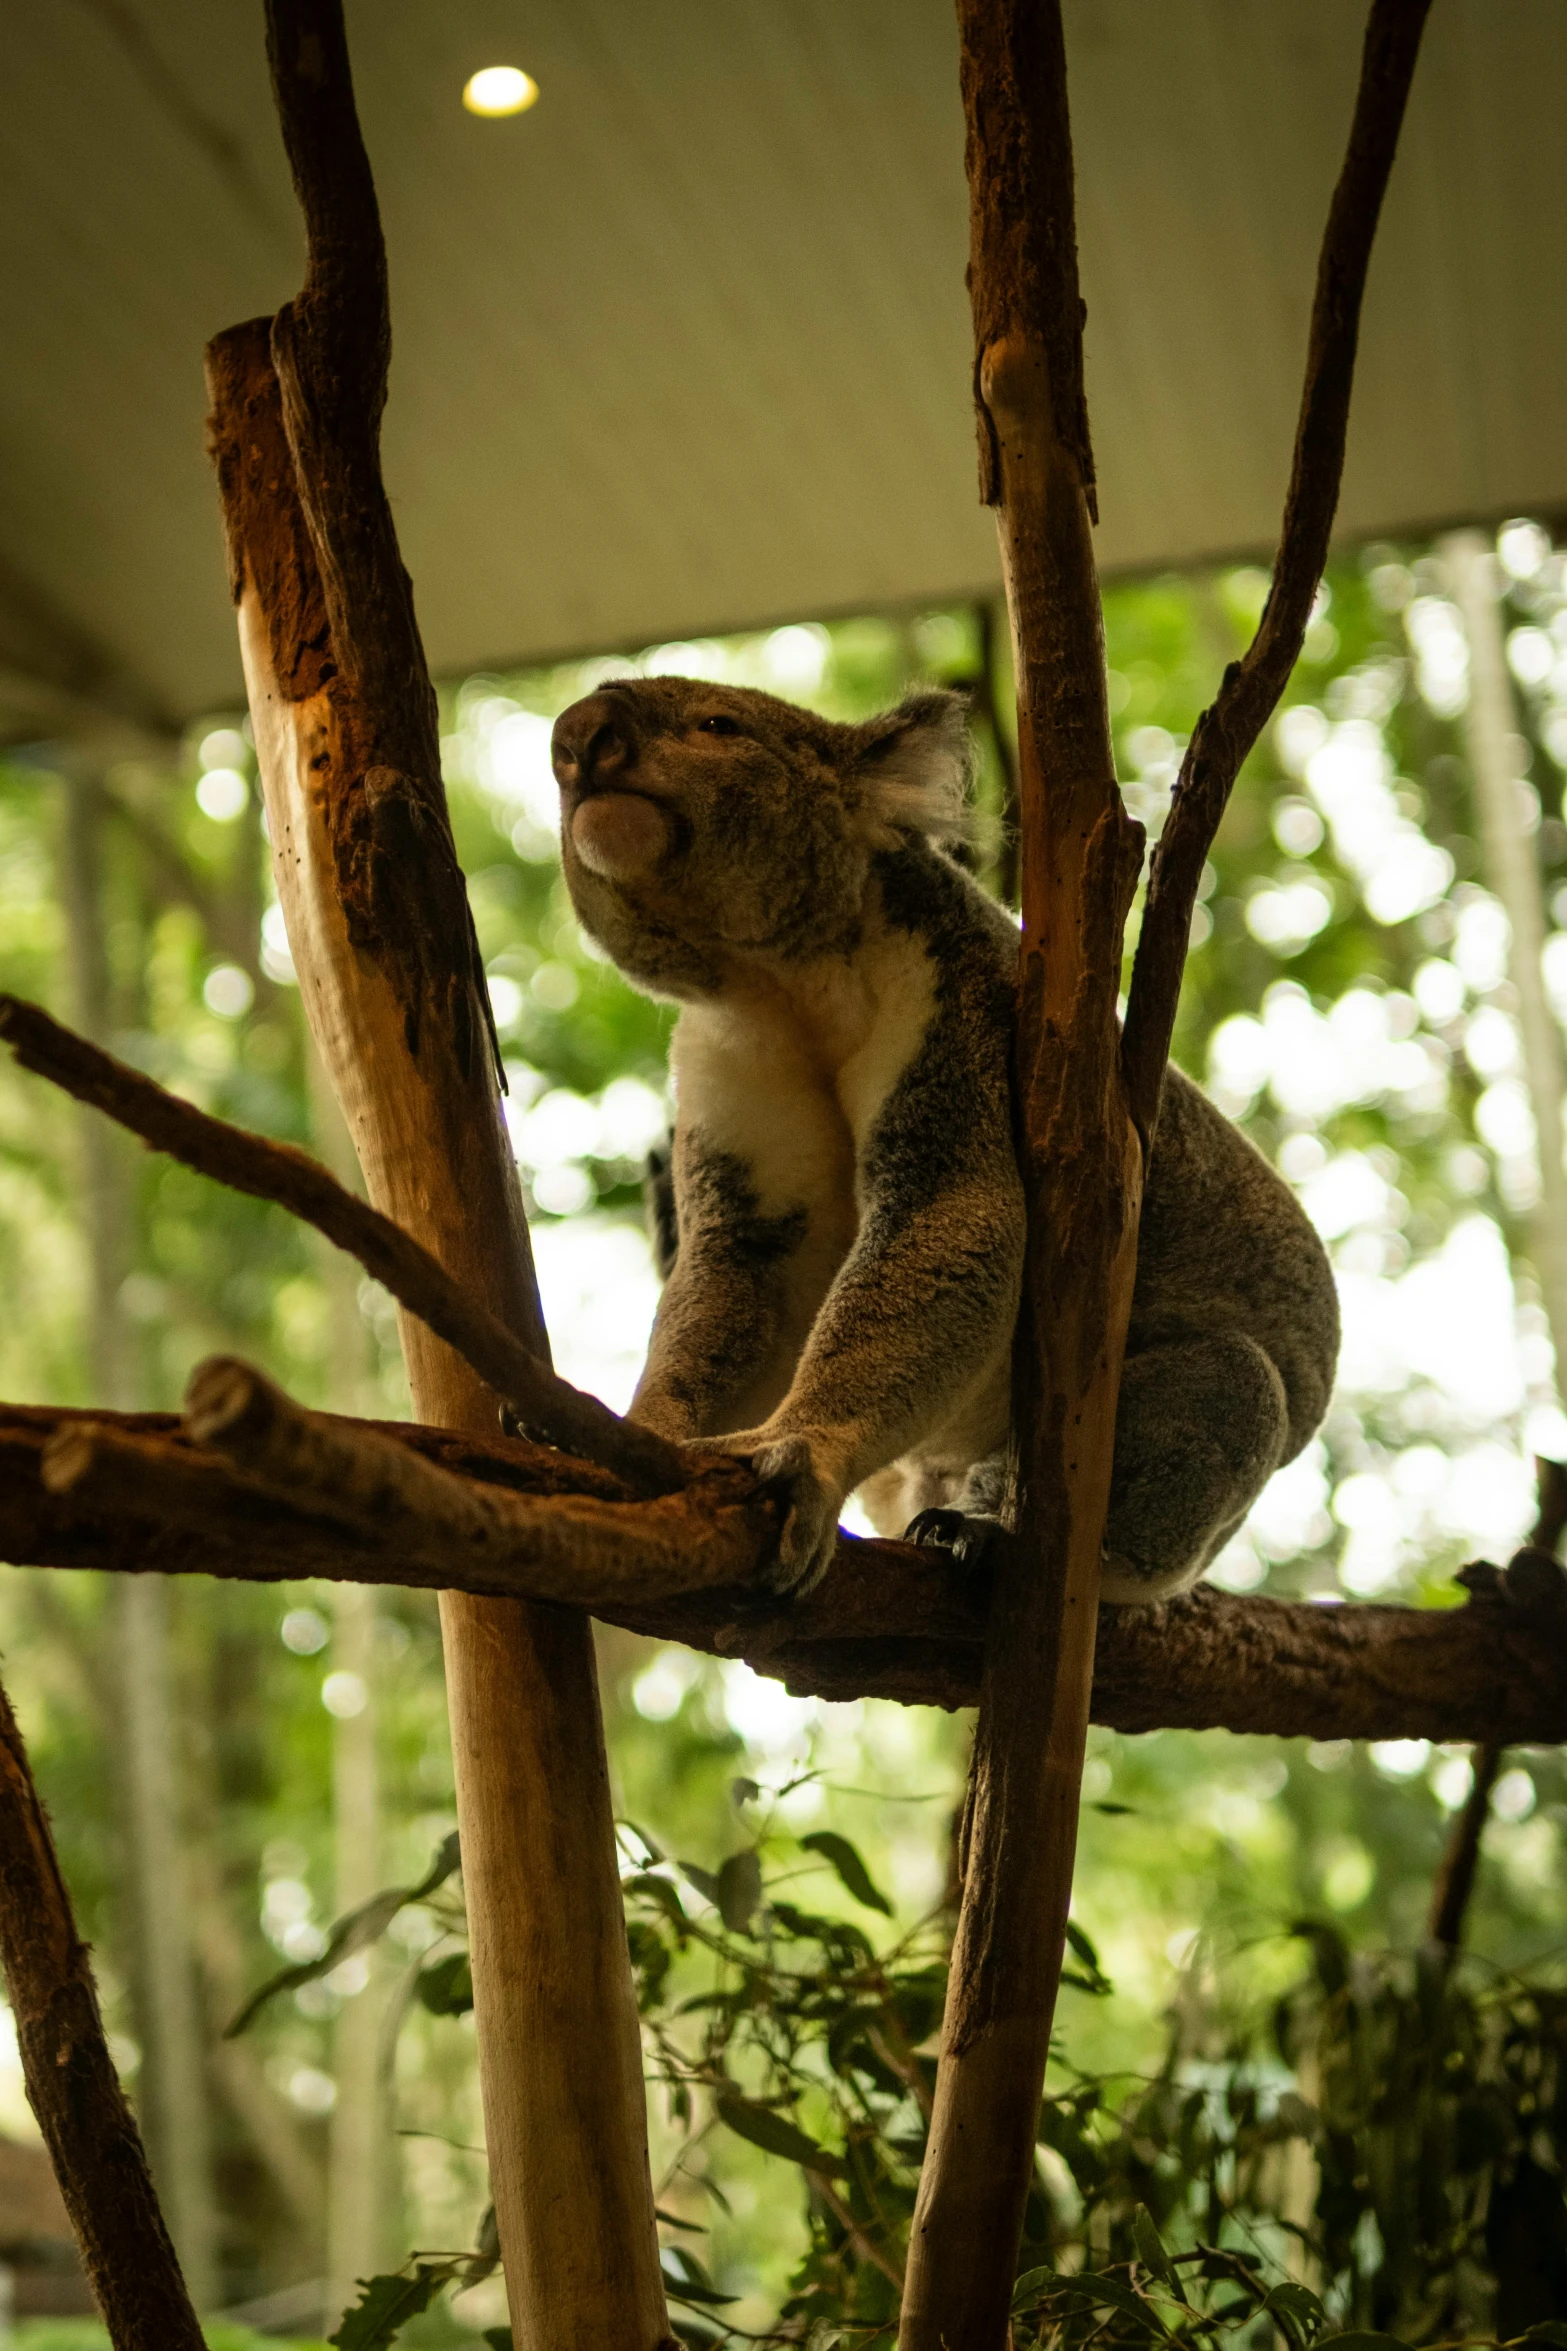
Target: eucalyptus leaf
(739, 1891)
(1150, 2247)
(1032, 2282)
(351, 1933)
(704, 1880)
(775, 2133)
(446, 1989)
(386, 2304)
(842, 1856)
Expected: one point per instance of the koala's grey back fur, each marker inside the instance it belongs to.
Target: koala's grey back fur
(847, 1232)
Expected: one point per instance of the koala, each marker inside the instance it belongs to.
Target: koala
(848, 1219)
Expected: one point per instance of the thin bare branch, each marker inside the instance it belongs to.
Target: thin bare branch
(546, 1404)
(1251, 687)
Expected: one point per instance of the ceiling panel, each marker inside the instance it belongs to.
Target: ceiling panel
(686, 347)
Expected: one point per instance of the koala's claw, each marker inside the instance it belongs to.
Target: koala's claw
(966, 1536)
(785, 1469)
(810, 1528)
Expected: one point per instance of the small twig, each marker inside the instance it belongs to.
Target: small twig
(546, 1405)
(72, 2085)
(861, 2243)
(1456, 1876)
(1528, 1568)
(1251, 687)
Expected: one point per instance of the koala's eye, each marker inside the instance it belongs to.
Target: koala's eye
(718, 724)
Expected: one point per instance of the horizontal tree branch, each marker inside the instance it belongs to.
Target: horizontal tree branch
(547, 1405)
(891, 1620)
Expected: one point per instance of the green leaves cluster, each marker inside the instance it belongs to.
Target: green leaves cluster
(1374, 2160)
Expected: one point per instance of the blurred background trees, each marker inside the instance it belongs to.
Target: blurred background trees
(229, 1768)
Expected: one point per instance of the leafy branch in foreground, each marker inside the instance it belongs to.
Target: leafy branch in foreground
(1376, 2160)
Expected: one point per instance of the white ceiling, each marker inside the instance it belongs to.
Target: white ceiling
(686, 348)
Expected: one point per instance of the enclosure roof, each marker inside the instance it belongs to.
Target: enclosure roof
(686, 348)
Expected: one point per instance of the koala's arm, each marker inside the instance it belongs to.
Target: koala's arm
(924, 1305)
(722, 1307)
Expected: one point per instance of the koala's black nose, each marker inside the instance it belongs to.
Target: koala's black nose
(593, 742)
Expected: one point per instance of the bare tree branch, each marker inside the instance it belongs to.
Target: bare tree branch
(72, 2085)
(134, 1492)
(1088, 1093)
(548, 1405)
(1251, 687)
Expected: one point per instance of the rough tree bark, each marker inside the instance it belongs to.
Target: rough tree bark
(72, 2086)
(345, 730)
(1088, 1101)
(1082, 1167)
(891, 1620)
(1535, 1565)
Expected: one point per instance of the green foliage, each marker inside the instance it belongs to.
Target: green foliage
(387, 2303)
(757, 1998)
(1393, 2131)
(353, 1933)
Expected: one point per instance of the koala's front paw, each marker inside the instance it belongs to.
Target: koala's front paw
(784, 1468)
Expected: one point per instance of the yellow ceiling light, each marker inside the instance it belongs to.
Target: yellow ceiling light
(498, 90)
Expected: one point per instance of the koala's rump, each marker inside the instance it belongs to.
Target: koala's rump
(1225, 1245)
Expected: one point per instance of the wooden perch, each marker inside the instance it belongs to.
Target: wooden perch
(72, 2085)
(546, 1404)
(389, 971)
(891, 1620)
(1088, 1098)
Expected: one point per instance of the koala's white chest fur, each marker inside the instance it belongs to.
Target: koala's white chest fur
(788, 1071)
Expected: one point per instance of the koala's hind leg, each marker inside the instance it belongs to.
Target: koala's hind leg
(1200, 1429)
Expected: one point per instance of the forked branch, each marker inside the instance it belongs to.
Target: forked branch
(1089, 1093)
(1250, 690)
(545, 1403)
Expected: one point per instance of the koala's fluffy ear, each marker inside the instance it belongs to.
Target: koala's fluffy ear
(915, 766)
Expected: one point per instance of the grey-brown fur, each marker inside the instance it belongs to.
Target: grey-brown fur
(848, 1211)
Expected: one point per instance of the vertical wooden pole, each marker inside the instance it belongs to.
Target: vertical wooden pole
(1082, 1168)
(1512, 868)
(1088, 1103)
(378, 921)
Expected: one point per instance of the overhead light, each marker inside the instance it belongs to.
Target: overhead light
(499, 89)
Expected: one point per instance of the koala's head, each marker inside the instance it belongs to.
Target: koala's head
(706, 825)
